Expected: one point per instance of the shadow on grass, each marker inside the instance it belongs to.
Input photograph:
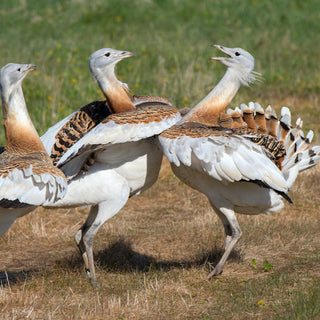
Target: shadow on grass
(120, 257)
(8, 278)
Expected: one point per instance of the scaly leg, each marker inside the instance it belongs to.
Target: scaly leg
(233, 234)
(98, 215)
(80, 234)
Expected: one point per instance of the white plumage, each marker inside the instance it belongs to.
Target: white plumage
(127, 158)
(27, 175)
(224, 158)
(233, 171)
(113, 133)
(300, 155)
(30, 188)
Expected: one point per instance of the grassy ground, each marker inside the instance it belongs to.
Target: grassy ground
(171, 40)
(153, 258)
(154, 255)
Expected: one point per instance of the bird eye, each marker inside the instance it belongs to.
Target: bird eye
(107, 54)
(19, 69)
(237, 53)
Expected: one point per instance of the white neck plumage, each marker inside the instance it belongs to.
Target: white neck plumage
(207, 111)
(114, 90)
(20, 132)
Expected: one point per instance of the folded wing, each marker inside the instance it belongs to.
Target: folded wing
(129, 126)
(222, 154)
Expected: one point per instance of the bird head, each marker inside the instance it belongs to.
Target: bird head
(105, 58)
(240, 61)
(13, 73)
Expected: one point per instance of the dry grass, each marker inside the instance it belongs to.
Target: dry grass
(152, 259)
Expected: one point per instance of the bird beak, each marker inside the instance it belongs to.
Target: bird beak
(126, 54)
(32, 67)
(26, 68)
(225, 50)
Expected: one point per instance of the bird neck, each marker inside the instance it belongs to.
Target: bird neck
(115, 91)
(21, 135)
(207, 111)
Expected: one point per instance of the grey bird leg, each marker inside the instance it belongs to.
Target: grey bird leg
(233, 234)
(98, 215)
(79, 236)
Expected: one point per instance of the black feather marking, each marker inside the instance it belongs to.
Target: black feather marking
(13, 204)
(264, 185)
(311, 153)
(291, 136)
(56, 148)
(284, 126)
(78, 125)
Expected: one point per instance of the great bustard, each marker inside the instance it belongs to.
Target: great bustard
(102, 66)
(60, 137)
(240, 65)
(27, 176)
(238, 170)
(119, 151)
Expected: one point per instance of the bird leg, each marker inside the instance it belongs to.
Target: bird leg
(88, 242)
(233, 234)
(81, 233)
(98, 215)
(81, 247)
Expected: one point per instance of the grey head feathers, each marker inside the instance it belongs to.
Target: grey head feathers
(12, 74)
(240, 62)
(106, 58)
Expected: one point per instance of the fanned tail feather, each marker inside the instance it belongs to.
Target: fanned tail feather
(284, 124)
(248, 117)
(272, 121)
(260, 119)
(300, 155)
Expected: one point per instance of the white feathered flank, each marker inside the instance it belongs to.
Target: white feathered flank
(118, 157)
(27, 175)
(239, 171)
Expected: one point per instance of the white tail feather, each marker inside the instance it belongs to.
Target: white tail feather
(300, 155)
(257, 107)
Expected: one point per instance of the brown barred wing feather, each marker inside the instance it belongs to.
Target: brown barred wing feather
(78, 126)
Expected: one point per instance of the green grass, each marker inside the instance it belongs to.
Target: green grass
(153, 256)
(171, 40)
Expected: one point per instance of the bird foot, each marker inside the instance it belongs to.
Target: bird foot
(95, 283)
(93, 280)
(215, 272)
